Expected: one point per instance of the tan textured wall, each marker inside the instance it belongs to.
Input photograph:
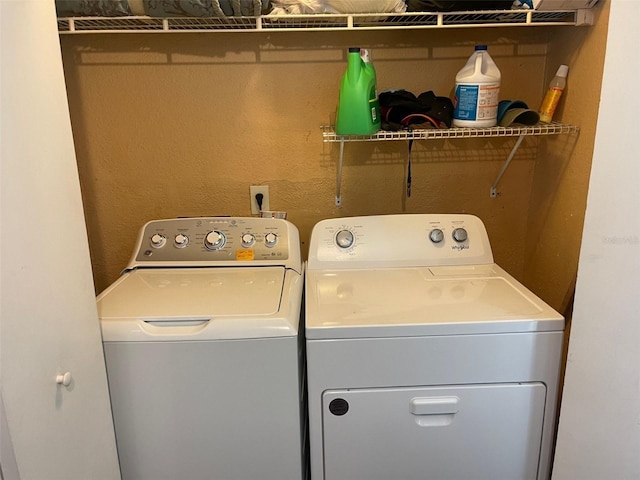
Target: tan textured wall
(181, 124)
(561, 178)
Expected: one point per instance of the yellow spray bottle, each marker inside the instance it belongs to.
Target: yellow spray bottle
(552, 97)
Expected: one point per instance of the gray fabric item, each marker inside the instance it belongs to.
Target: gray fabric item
(179, 8)
(162, 8)
(92, 8)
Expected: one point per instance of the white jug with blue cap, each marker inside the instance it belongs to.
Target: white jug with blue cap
(477, 91)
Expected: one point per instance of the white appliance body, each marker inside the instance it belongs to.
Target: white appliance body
(425, 359)
(205, 352)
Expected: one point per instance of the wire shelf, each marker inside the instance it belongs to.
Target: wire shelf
(329, 134)
(368, 21)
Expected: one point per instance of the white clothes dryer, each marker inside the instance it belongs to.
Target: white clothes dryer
(425, 359)
(205, 352)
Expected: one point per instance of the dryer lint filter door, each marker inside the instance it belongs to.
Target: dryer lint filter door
(471, 431)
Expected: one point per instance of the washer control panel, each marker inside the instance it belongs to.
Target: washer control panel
(216, 240)
(399, 240)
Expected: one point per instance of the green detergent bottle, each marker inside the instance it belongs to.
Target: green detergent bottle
(358, 106)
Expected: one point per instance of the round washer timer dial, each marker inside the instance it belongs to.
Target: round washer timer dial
(214, 240)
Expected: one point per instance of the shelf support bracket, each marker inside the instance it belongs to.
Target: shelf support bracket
(493, 193)
(339, 175)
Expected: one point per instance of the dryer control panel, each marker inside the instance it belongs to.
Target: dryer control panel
(399, 240)
(217, 241)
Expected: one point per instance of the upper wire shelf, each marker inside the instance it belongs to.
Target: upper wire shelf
(367, 21)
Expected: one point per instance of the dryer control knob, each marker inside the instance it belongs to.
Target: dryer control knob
(158, 241)
(270, 240)
(181, 240)
(248, 239)
(345, 238)
(460, 235)
(436, 235)
(215, 240)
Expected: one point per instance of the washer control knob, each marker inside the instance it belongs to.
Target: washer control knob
(158, 241)
(248, 239)
(460, 235)
(181, 240)
(270, 239)
(344, 238)
(436, 235)
(214, 240)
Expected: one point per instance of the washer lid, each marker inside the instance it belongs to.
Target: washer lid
(398, 302)
(201, 303)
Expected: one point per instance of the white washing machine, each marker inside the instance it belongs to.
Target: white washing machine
(425, 359)
(205, 352)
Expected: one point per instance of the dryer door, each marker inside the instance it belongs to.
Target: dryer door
(451, 432)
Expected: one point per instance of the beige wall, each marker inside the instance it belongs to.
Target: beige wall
(561, 179)
(181, 124)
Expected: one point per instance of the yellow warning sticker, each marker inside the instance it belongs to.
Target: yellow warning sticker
(246, 254)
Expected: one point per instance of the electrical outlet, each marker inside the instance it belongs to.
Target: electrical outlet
(253, 191)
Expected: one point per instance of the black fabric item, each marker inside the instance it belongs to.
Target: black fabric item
(392, 126)
(409, 169)
(401, 108)
(456, 5)
(440, 108)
